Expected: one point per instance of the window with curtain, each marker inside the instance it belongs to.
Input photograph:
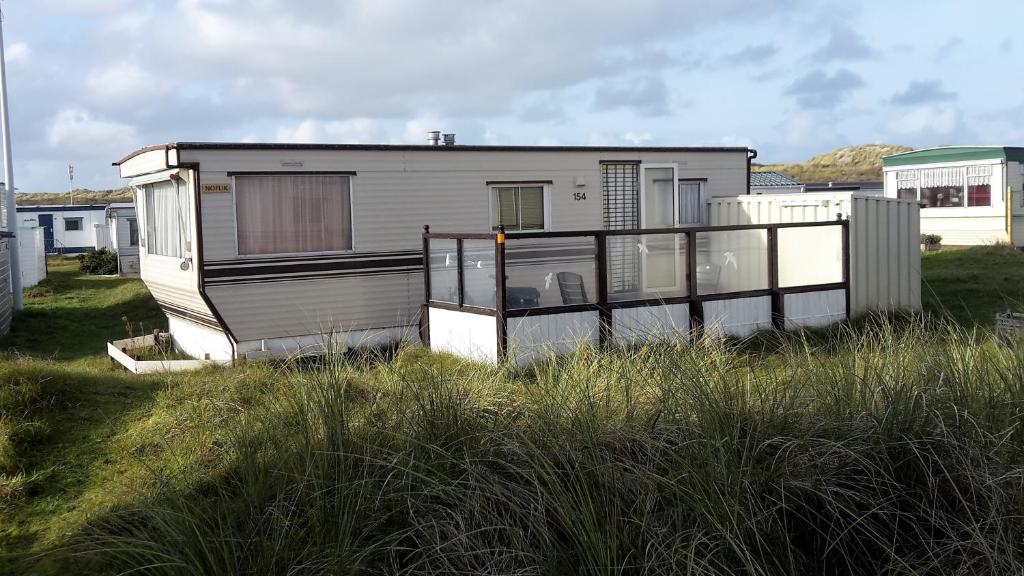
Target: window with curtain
(293, 213)
(133, 232)
(168, 229)
(906, 185)
(979, 185)
(942, 187)
(518, 208)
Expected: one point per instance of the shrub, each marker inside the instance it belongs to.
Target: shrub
(100, 261)
(931, 239)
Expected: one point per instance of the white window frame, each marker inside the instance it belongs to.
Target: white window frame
(351, 210)
(79, 219)
(138, 231)
(701, 193)
(643, 224)
(545, 192)
(144, 239)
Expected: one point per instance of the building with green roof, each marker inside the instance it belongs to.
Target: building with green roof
(969, 195)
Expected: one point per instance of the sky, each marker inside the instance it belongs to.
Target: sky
(91, 80)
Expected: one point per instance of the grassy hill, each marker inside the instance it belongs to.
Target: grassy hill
(852, 163)
(82, 196)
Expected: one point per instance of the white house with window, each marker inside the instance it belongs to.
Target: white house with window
(969, 195)
(259, 249)
(67, 229)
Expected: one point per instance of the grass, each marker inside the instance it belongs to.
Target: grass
(972, 285)
(883, 447)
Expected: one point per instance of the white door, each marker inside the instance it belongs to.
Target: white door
(659, 209)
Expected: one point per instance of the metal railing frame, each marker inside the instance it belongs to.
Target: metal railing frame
(603, 306)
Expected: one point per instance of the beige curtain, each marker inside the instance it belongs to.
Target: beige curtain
(293, 213)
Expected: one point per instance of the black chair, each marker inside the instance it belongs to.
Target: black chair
(570, 285)
(522, 297)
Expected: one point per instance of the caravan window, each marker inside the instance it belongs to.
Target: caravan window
(72, 224)
(293, 213)
(167, 219)
(133, 232)
(518, 208)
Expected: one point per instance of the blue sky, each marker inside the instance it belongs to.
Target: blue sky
(91, 80)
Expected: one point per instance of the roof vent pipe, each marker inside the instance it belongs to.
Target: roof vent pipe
(434, 137)
(449, 139)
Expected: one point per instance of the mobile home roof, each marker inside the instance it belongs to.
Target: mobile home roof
(423, 148)
(955, 154)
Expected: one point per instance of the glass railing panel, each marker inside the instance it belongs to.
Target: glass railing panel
(478, 278)
(731, 261)
(444, 266)
(543, 272)
(646, 267)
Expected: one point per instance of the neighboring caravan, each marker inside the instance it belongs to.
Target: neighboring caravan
(123, 237)
(258, 249)
(773, 183)
(67, 229)
(969, 194)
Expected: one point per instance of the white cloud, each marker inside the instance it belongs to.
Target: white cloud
(928, 120)
(123, 83)
(17, 53)
(355, 131)
(637, 138)
(77, 133)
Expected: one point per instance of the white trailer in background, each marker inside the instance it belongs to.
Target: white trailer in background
(123, 236)
(31, 255)
(67, 229)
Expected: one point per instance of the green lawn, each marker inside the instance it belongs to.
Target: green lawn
(972, 285)
(79, 436)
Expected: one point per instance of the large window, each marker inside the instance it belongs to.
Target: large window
(949, 187)
(73, 224)
(518, 207)
(167, 219)
(293, 213)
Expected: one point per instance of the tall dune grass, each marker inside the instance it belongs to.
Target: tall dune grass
(890, 449)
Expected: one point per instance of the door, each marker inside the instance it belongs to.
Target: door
(659, 209)
(46, 223)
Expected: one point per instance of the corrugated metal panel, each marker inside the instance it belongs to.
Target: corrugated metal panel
(533, 337)
(6, 301)
(885, 257)
(631, 325)
(740, 317)
(814, 309)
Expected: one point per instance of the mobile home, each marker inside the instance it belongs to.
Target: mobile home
(123, 237)
(259, 249)
(67, 229)
(969, 195)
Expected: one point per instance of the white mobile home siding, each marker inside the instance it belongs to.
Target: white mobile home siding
(395, 193)
(6, 299)
(1015, 183)
(175, 289)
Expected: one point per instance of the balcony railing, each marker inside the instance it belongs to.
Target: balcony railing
(525, 274)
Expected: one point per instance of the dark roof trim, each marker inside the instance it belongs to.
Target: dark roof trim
(423, 148)
(62, 208)
(6, 234)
